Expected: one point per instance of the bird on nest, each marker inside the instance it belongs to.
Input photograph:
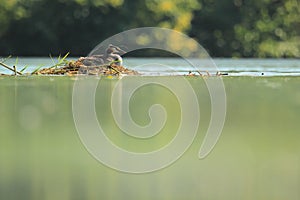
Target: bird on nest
(112, 55)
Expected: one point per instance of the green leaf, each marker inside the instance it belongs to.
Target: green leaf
(60, 61)
(37, 69)
(24, 68)
(17, 61)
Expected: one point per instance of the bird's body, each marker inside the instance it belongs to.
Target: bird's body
(112, 55)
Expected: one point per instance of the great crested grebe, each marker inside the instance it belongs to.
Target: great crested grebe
(112, 55)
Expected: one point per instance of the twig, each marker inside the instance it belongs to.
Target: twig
(15, 69)
(199, 72)
(11, 69)
(115, 69)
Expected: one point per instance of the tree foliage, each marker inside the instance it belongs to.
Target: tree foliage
(269, 28)
(238, 28)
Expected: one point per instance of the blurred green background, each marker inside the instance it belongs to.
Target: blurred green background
(226, 28)
(256, 157)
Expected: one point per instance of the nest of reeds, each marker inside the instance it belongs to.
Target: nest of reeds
(78, 68)
(73, 68)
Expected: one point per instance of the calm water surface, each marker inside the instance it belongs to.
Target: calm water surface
(159, 66)
(256, 157)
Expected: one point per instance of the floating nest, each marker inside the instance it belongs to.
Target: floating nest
(73, 68)
(78, 68)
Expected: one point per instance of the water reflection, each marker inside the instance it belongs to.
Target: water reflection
(257, 157)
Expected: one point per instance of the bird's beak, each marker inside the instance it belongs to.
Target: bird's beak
(117, 49)
(121, 51)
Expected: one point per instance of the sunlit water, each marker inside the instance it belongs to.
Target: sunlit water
(161, 66)
(256, 157)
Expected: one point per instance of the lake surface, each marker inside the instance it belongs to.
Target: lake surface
(159, 66)
(256, 157)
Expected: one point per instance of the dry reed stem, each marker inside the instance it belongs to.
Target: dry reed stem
(11, 69)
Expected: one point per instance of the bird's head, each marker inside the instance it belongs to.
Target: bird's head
(114, 49)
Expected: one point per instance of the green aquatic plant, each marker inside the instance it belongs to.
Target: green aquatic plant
(36, 69)
(61, 61)
(24, 68)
